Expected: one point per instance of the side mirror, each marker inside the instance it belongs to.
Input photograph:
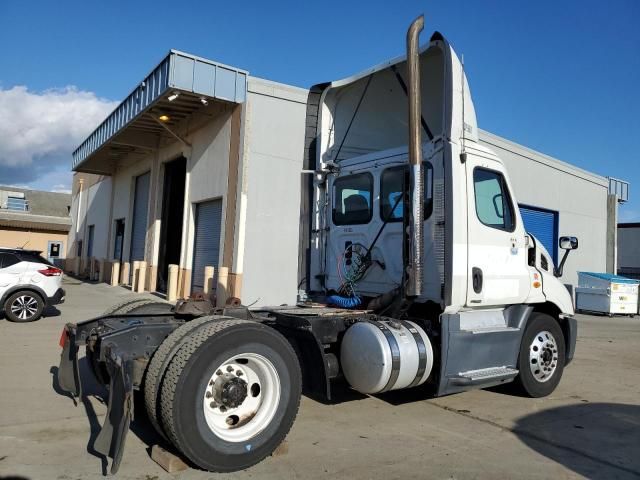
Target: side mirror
(568, 243)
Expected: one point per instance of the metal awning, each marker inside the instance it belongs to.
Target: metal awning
(29, 221)
(179, 87)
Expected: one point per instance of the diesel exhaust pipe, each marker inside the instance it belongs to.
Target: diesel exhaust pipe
(415, 261)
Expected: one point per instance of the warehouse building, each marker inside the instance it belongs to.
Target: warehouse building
(201, 165)
(35, 220)
(629, 250)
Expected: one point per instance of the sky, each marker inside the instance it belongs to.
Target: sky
(561, 77)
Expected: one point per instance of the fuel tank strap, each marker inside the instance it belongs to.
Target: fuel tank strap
(395, 354)
(422, 352)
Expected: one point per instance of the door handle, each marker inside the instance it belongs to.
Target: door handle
(476, 278)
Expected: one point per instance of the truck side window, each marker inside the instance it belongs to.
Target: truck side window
(493, 202)
(353, 199)
(391, 183)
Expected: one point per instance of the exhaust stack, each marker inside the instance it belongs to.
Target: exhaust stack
(415, 261)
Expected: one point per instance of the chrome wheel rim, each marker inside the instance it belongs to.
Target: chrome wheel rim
(543, 356)
(24, 307)
(241, 397)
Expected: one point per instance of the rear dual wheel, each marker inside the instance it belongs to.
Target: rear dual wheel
(228, 394)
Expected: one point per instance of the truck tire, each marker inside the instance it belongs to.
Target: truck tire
(138, 306)
(542, 356)
(23, 306)
(158, 365)
(230, 394)
(133, 306)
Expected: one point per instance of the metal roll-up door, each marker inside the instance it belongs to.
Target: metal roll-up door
(542, 224)
(139, 225)
(206, 248)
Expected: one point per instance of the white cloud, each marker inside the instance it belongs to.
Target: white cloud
(60, 188)
(37, 127)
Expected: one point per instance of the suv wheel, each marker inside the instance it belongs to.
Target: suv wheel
(23, 306)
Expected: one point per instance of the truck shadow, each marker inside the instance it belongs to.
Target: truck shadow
(596, 440)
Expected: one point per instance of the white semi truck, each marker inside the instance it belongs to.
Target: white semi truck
(417, 273)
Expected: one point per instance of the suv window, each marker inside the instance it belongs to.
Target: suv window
(353, 199)
(493, 203)
(391, 187)
(8, 259)
(33, 258)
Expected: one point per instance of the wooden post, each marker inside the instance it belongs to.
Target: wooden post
(222, 291)
(172, 284)
(142, 276)
(101, 272)
(124, 279)
(115, 273)
(235, 285)
(134, 274)
(208, 280)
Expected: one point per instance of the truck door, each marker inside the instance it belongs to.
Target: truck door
(352, 223)
(497, 272)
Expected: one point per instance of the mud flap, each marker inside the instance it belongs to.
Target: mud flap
(68, 371)
(111, 439)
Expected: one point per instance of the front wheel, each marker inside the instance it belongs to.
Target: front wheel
(542, 356)
(230, 394)
(24, 306)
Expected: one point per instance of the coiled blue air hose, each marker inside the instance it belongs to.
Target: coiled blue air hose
(344, 302)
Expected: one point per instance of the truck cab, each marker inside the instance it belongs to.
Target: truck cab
(484, 278)
(477, 254)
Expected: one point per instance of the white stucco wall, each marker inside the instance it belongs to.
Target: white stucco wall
(207, 172)
(123, 189)
(98, 199)
(273, 153)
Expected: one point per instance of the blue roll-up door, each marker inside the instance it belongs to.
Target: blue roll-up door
(206, 248)
(139, 225)
(542, 224)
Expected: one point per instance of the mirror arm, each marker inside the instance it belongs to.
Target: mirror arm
(560, 268)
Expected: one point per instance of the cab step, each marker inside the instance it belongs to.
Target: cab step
(485, 375)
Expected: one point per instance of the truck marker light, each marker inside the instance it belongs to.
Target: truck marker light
(63, 338)
(536, 284)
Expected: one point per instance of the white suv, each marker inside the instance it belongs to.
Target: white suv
(28, 284)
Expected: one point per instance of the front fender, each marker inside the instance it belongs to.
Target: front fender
(555, 292)
(570, 330)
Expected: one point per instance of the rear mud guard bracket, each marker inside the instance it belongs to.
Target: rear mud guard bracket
(111, 439)
(68, 371)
